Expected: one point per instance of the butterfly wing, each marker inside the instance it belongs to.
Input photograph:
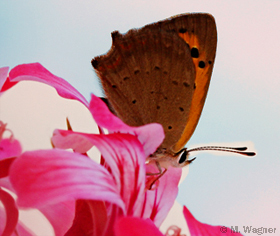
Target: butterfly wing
(161, 73)
(199, 32)
(148, 76)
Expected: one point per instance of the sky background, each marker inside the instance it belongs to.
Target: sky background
(242, 103)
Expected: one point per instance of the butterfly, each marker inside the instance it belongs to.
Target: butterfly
(160, 73)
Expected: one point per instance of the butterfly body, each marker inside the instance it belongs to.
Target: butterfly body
(160, 74)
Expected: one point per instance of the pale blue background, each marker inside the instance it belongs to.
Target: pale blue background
(242, 103)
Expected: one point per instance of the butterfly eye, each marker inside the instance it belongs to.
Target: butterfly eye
(183, 157)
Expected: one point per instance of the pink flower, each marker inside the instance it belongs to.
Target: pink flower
(47, 177)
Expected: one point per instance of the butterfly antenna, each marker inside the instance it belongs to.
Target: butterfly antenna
(238, 150)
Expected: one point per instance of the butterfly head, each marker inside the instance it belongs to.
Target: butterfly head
(166, 158)
(182, 158)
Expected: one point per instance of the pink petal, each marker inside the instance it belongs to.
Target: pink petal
(83, 223)
(5, 166)
(151, 135)
(60, 216)
(36, 72)
(90, 218)
(67, 140)
(158, 202)
(128, 226)
(99, 216)
(199, 229)
(3, 76)
(47, 177)
(124, 155)
(11, 212)
(9, 148)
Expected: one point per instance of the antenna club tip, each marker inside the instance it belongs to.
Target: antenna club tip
(241, 148)
(251, 154)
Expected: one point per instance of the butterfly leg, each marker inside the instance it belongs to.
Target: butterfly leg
(159, 169)
(150, 185)
(152, 180)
